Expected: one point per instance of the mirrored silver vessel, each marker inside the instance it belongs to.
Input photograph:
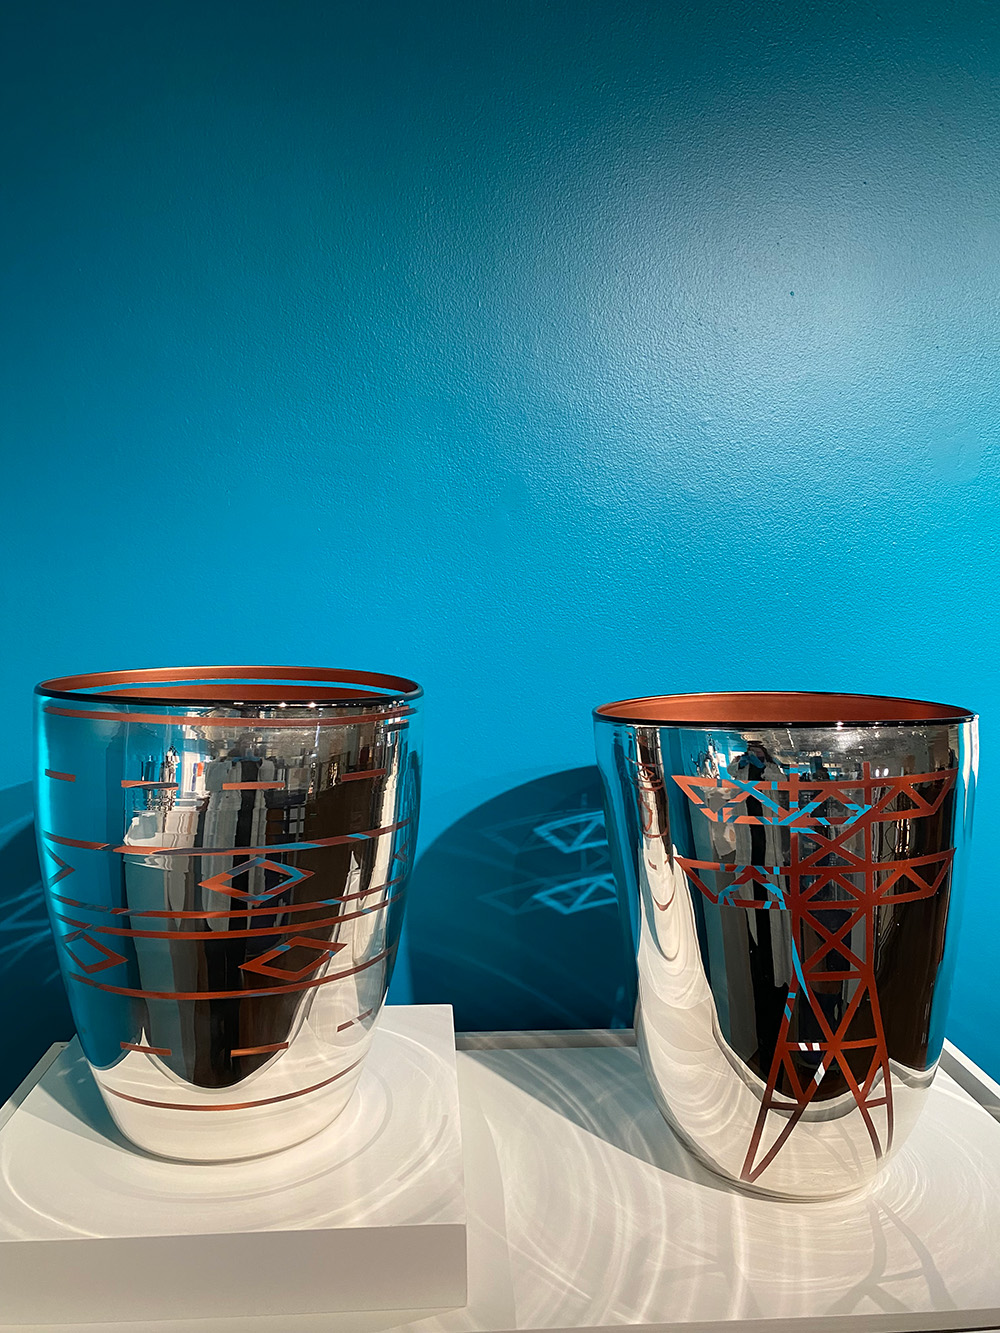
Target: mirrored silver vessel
(790, 867)
(226, 852)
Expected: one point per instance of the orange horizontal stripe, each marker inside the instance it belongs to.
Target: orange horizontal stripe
(261, 1050)
(339, 840)
(826, 1048)
(231, 1106)
(61, 777)
(253, 786)
(237, 723)
(296, 927)
(75, 842)
(221, 672)
(277, 909)
(366, 773)
(228, 994)
(146, 1050)
(342, 1027)
(130, 782)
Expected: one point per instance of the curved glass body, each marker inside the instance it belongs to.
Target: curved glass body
(225, 853)
(790, 868)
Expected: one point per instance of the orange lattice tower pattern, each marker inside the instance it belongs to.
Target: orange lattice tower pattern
(830, 887)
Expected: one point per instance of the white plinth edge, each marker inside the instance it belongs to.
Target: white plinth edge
(369, 1214)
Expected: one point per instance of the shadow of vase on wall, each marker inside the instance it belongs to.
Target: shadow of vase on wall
(31, 991)
(513, 915)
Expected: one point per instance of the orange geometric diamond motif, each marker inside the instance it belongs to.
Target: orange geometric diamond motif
(323, 950)
(223, 882)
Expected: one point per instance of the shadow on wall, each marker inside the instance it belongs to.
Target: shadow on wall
(512, 917)
(32, 1000)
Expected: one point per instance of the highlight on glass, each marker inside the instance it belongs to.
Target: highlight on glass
(225, 853)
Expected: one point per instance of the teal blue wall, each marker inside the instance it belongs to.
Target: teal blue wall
(549, 351)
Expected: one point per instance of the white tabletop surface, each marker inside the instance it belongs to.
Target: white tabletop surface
(586, 1214)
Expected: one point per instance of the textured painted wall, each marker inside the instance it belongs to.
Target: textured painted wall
(549, 352)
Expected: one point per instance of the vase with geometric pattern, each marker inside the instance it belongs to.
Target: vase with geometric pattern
(225, 853)
(790, 868)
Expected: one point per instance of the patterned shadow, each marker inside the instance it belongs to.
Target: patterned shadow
(32, 998)
(513, 915)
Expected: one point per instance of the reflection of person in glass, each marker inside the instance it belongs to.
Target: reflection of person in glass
(826, 997)
(768, 940)
(756, 765)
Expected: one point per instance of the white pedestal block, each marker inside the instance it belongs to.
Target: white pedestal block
(585, 1213)
(368, 1214)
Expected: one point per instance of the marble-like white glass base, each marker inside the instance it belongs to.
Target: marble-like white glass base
(370, 1213)
(586, 1214)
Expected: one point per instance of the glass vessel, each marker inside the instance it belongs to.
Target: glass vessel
(790, 866)
(225, 853)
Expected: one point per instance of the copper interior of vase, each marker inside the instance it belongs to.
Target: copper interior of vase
(233, 686)
(773, 709)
